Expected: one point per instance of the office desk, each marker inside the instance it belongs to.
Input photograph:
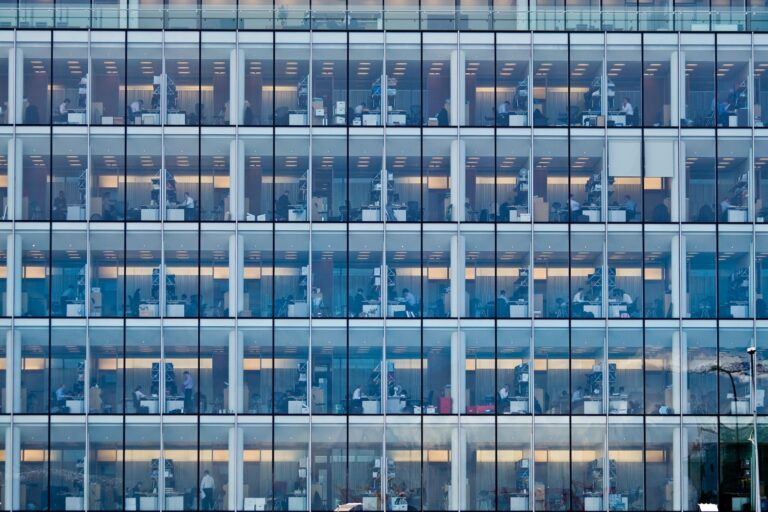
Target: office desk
(395, 405)
(152, 118)
(174, 404)
(595, 309)
(174, 502)
(739, 310)
(370, 503)
(174, 309)
(394, 308)
(591, 213)
(150, 403)
(75, 406)
(618, 405)
(617, 215)
(617, 119)
(297, 118)
(151, 309)
(371, 214)
(130, 504)
(150, 214)
(371, 310)
(371, 119)
(73, 503)
(371, 406)
(75, 212)
(616, 310)
(399, 213)
(297, 214)
(296, 407)
(737, 214)
(518, 502)
(518, 406)
(148, 502)
(175, 214)
(398, 118)
(297, 503)
(518, 119)
(74, 117)
(593, 407)
(255, 504)
(519, 215)
(593, 503)
(518, 310)
(176, 118)
(76, 309)
(298, 309)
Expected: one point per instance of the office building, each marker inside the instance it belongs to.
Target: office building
(410, 256)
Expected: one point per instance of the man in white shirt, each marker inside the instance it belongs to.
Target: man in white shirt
(206, 487)
(357, 394)
(64, 110)
(626, 107)
(503, 393)
(188, 203)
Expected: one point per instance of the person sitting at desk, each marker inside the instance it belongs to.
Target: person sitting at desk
(356, 306)
(59, 211)
(137, 491)
(64, 110)
(443, 117)
(628, 110)
(60, 397)
(136, 108)
(68, 295)
(575, 207)
(281, 209)
(504, 209)
(504, 393)
(629, 206)
(410, 300)
(502, 298)
(188, 203)
(138, 396)
(357, 399)
(502, 113)
(360, 109)
(578, 303)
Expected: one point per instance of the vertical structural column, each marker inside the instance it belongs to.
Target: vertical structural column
(682, 284)
(235, 469)
(458, 180)
(16, 85)
(458, 60)
(235, 377)
(13, 294)
(457, 275)
(676, 401)
(677, 88)
(236, 253)
(13, 372)
(458, 374)
(457, 495)
(15, 179)
(236, 86)
(678, 292)
(11, 499)
(236, 181)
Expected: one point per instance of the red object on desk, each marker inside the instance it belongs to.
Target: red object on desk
(444, 405)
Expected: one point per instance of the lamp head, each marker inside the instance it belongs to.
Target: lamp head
(751, 350)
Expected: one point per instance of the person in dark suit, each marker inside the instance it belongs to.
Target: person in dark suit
(443, 118)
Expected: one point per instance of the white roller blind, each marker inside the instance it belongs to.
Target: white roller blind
(624, 157)
(660, 158)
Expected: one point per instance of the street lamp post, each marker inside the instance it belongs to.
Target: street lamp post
(752, 351)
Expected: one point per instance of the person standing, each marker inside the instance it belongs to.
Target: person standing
(207, 486)
(189, 385)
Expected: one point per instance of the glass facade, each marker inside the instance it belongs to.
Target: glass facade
(394, 257)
